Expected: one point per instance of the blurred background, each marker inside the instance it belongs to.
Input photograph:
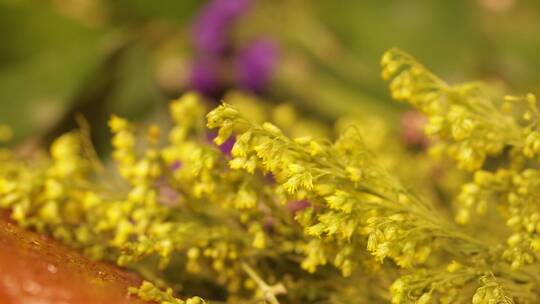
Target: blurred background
(60, 58)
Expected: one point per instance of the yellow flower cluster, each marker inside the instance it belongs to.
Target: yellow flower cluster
(467, 120)
(352, 197)
(515, 193)
(149, 292)
(179, 208)
(289, 216)
(497, 138)
(490, 292)
(471, 122)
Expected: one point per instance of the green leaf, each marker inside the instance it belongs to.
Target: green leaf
(44, 60)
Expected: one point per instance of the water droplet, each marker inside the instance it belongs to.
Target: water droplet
(31, 287)
(52, 268)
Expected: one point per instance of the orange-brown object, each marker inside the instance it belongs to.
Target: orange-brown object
(36, 269)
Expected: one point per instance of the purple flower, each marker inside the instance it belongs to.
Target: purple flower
(212, 26)
(412, 129)
(256, 63)
(214, 52)
(297, 206)
(204, 77)
(269, 224)
(168, 196)
(176, 165)
(225, 147)
(269, 177)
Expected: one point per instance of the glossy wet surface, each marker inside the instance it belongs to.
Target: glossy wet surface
(35, 269)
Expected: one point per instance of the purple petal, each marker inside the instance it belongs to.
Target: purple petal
(176, 165)
(296, 206)
(227, 146)
(204, 77)
(269, 224)
(412, 129)
(211, 27)
(256, 63)
(269, 177)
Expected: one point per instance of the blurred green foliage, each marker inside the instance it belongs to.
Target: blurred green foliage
(58, 58)
(461, 39)
(44, 60)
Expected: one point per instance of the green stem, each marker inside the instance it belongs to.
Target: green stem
(268, 291)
